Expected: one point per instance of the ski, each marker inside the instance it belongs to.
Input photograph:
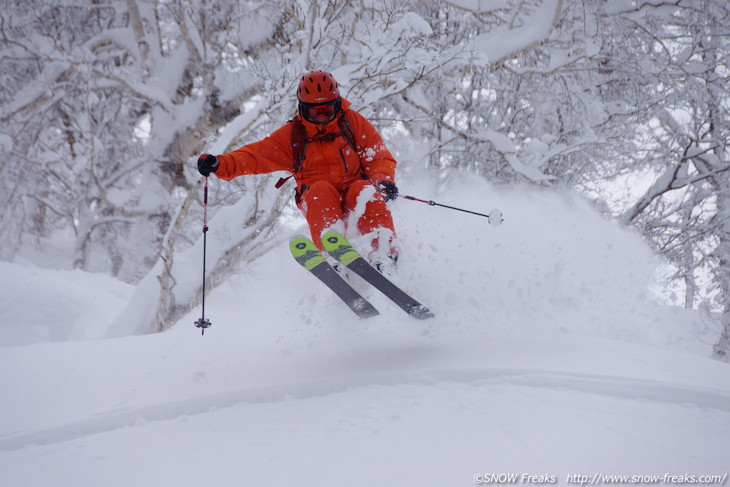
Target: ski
(338, 247)
(308, 256)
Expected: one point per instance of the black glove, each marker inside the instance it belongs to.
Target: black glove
(388, 189)
(207, 164)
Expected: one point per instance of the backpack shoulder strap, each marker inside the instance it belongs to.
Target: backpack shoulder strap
(346, 129)
(298, 144)
(298, 148)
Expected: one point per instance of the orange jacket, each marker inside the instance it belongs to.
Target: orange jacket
(332, 160)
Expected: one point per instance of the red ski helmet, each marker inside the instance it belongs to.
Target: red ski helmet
(318, 87)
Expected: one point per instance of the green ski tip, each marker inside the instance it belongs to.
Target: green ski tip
(305, 252)
(338, 247)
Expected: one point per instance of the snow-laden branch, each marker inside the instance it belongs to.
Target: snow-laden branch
(501, 144)
(673, 178)
(503, 42)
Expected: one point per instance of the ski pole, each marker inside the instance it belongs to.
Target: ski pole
(203, 322)
(495, 216)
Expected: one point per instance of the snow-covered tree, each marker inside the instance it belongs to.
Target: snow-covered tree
(685, 213)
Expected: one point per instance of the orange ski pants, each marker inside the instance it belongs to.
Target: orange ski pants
(323, 206)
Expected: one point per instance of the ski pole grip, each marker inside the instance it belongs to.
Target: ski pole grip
(205, 206)
(412, 198)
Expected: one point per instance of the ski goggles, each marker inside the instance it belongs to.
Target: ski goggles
(320, 112)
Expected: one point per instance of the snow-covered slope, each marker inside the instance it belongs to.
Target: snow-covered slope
(547, 357)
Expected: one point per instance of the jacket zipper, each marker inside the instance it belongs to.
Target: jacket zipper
(344, 162)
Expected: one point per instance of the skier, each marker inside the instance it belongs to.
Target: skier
(342, 168)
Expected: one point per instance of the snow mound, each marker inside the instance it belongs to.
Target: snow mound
(46, 305)
(554, 264)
